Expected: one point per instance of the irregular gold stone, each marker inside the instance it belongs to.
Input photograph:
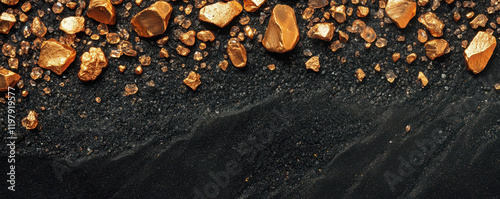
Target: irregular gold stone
(252, 5)
(237, 53)
(423, 79)
(282, 33)
(390, 76)
(480, 20)
(153, 20)
(6, 22)
(318, 3)
(56, 56)
(338, 13)
(31, 121)
(362, 11)
(220, 13)
(343, 37)
(411, 57)
(102, 11)
(72, 25)
(182, 51)
(205, 35)
(250, 32)
(188, 38)
(395, 57)
(436, 48)
(368, 34)
(92, 64)
(8, 79)
(323, 31)
(313, 64)
(479, 51)
(130, 89)
(37, 27)
(401, 11)
(193, 80)
(360, 74)
(10, 2)
(432, 23)
(223, 65)
(422, 36)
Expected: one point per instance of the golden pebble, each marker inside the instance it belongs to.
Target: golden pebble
(6, 22)
(362, 11)
(183, 51)
(237, 53)
(188, 38)
(323, 31)
(423, 79)
(432, 23)
(113, 38)
(436, 48)
(377, 68)
(282, 33)
(401, 11)
(122, 68)
(25, 93)
(102, 11)
(72, 25)
(31, 121)
(381, 42)
(56, 56)
(422, 36)
(193, 80)
(271, 66)
(250, 32)
(205, 35)
(10, 2)
(92, 64)
(390, 76)
(164, 53)
(153, 20)
(411, 57)
(368, 34)
(480, 20)
(252, 5)
(313, 64)
(130, 89)
(479, 51)
(338, 13)
(8, 79)
(395, 57)
(37, 27)
(343, 37)
(360, 74)
(138, 70)
(220, 13)
(318, 3)
(223, 65)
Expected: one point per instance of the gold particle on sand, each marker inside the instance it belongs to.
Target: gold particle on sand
(313, 64)
(193, 80)
(31, 121)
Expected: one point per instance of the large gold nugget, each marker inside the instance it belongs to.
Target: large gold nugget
(479, 51)
(8, 79)
(220, 13)
(401, 11)
(92, 64)
(153, 20)
(282, 34)
(56, 56)
(102, 11)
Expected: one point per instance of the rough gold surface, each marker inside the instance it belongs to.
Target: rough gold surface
(8, 79)
(423, 79)
(102, 11)
(313, 64)
(237, 53)
(360, 74)
(72, 25)
(432, 23)
(153, 20)
(252, 5)
(401, 11)
(436, 48)
(338, 13)
(282, 33)
(38, 28)
(92, 64)
(56, 56)
(220, 13)
(193, 80)
(182, 51)
(479, 51)
(362, 11)
(323, 31)
(6, 22)
(10, 2)
(205, 35)
(318, 3)
(368, 34)
(411, 57)
(188, 38)
(31, 121)
(480, 20)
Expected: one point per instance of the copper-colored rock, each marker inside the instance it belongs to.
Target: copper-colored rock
(205, 35)
(323, 31)
(220, 13)
(411, 57)
(423, 78)
(318, 3)
(432, 23)
(343, 37)
(56, 56)
(422, 36)
(188, 38)
(480, 20)
(37, 27)
(153, 20)
(338, 13)
(237, 53)
(10, 2)
(282, 34)
(368, 34)
(401, 11)
(193, 80)
(479, 51)
(8, 79)
(360, 74)
(313, 64)
(102, 11)
(93, 62)
(253, 5)
(31, 121)
(72, 25)
(436, 48)
(182, 51)
(363, 11)
(395, 57)
(6, 22)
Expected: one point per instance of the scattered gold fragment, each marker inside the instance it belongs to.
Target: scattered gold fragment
(122, 68)
(401, 11)
(102, 11)
(10, 2)
(368, 34)
(252, 5)
(343, 37)
(56, 56)
(237, 53)
(164, 53)
(308, 13)
(153, 20)
(205, 35)
(8, 79)
(318, 3)
(37, 27)
(162, 41)
(336, 45)
(411, 57)
(381, 42)
(31, 121)
(26, 6)
(223, 65)
(360, 74)
(98, 99)
(422, 36)
(36, 73)
(92, 64)
(377, 68)
(6, 22)
(145, 60)
(188, 38)
(25, 93)
(183, 51)
(469, 15)
(390, 76)
(113, 38)
(197, 56)
(338, 13)
(193, 80)
(282, 33)
(456, 16)
(313, 64)
(72, 25)
(480, 20)
(479, 51)
(436, 48)
(250, 32)
(423, 79)
(432, 23)
(138, 70)
(220, 13)
(362, 11)
(130, 89)
(395, 57)
(497, 86)
(323, 31)
(271, 66)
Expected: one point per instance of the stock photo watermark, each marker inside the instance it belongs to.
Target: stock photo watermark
(255, 142)
(11, 139)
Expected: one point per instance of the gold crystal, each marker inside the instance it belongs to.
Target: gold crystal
(360, 74)
(436, 48)
(368, 34)
(8, 79)
(92, 64)
(205, 35)
(422, 36)
(56, 56)
(282, 33)
(313, 64)
(323, 31)
(432, 23)
(10, 2)
(479, 51)
(318, 3)
(401, 11)
(193, 80)
(363, 11)
(220, 13)
(480, 20)
(423, 79)
(338, 13)
(102, 11)
(153, 20)
(183, 51)
(411, 57)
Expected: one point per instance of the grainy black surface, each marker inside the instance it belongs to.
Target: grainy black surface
(256, 133)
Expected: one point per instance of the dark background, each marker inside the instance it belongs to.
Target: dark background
(287, 133)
